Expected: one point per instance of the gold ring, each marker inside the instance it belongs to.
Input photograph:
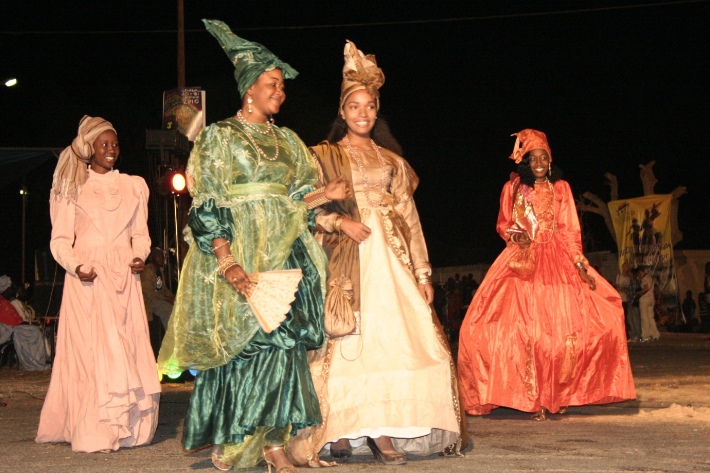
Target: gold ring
(234, 279)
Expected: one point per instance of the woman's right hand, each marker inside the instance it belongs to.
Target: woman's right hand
(355, 230)
(86, 277)
(238, 278)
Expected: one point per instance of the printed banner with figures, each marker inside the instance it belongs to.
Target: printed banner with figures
(643, 236)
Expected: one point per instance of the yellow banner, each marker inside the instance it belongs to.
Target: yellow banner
(643, 236)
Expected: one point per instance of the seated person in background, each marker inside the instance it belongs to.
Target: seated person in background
(27, 339)
(158, 298)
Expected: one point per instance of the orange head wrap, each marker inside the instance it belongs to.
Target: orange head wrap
(360, 72)
(528, 140)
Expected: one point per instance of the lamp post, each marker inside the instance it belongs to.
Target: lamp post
(23, 193)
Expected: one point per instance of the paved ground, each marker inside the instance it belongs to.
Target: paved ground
(667, 429)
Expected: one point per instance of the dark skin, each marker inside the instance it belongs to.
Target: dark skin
(268, 94)
(106, 151)
(540, 164)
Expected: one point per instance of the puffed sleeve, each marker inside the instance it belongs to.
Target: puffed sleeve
(63, 215)
(568, 222)
(209, 179)
(404, 183)
(305, 172)
(505, 213)
(140, 236)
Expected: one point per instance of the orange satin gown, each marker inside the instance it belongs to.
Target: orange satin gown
(543, 340)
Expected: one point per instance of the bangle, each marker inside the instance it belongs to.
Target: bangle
(337, 223)
(224, 263)
(321, 200)
(215, 248)
(424, 279)
(580, 266)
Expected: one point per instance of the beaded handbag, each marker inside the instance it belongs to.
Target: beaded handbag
(271, 295)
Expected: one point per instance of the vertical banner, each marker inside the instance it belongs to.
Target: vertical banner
(184, 110)
(643, 236)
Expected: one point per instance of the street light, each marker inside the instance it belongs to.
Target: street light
(11, 82)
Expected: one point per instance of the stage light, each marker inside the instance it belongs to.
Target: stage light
(193, 372)
(178, 182)
(172, 181)
(174, 375)
(11, 82)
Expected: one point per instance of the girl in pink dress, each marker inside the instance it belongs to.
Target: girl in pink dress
(104, 391)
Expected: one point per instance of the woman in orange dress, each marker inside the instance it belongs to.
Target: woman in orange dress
(544, 330)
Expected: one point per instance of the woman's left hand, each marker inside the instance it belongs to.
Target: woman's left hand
(137, 265)
(427, 292)
(338, 189)
(587, 278)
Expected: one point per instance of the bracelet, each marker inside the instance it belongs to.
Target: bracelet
(424, 279)
(320, 190)
(215, 248)
(318, 202)
(322, 200)
(224, 263)
(337, 223)
(580, 266)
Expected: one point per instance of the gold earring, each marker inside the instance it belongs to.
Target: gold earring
(249, 102)
(549, 171)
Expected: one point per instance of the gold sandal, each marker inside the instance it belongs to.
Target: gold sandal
(217, 459)
(273, 448)
(540, 415)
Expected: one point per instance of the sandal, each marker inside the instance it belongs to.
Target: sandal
(217, 459)
(273, 448)
(396, 458)
(540, 415)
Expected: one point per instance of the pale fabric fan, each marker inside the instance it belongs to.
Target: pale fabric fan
(271, 295)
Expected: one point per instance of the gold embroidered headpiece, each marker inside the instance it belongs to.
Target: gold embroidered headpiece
(360, 72)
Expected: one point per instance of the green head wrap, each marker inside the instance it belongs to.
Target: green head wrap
(250, 59)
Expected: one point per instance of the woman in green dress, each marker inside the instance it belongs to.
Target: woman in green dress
(250, 182)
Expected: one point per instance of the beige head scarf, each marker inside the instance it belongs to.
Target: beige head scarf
(70, 173)
(360, 72)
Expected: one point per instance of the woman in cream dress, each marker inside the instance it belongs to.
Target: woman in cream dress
(392, 384)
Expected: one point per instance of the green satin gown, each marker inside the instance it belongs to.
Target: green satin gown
(253, 388)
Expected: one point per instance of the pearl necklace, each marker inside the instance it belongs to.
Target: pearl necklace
(363, 173)
(269, 129)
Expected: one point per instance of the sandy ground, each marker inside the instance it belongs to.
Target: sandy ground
(666, 429)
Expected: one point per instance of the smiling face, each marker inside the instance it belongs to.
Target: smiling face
(539, 163)
(359, 113)
(106, 152)
(267, 94)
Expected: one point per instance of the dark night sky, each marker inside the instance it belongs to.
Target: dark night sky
(612, 88)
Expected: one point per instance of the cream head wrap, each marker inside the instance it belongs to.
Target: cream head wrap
(250, 59)
(360, 72)
(70, 173)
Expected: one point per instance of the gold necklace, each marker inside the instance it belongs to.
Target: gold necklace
(363, 173)
(269, 128)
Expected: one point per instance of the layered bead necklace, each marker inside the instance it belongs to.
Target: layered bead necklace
(269, 129)
(363, 172)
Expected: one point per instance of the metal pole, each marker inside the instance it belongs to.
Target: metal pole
(24, 219)
(177, 235)
(181, 44)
